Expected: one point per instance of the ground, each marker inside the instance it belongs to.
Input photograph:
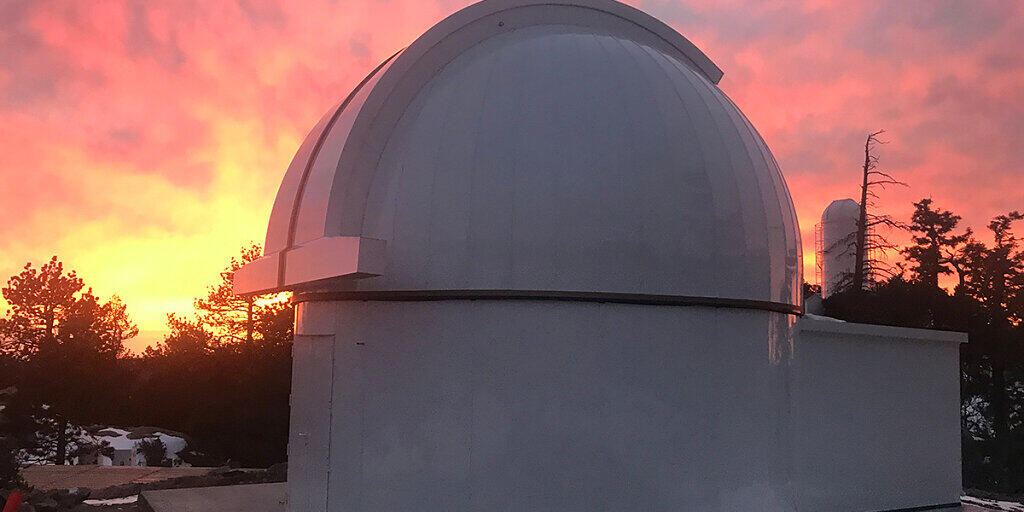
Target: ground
(100, 477)
(114, 488)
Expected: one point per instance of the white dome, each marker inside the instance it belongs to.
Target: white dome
(520, 145)
(841, 210)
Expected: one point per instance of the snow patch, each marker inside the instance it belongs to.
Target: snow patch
(125, 443)
(113, 501)
(1011, 506)
(822, 317)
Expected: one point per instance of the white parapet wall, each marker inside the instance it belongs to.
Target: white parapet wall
(877, 414)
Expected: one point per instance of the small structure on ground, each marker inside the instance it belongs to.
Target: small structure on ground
(542, 262)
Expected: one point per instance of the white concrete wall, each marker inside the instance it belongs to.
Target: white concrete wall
(539, 406)
(565, 406)
(878, 417)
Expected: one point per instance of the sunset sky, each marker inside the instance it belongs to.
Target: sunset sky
(143, 142)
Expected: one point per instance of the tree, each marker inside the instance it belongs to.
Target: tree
(867, 240)
(187, 339)
(10, 476)
(88, 446)
(10, 466)
(155, 452)
(265, 318)
(935, 247)
(224, 376)
(39, 301)
(811, 289)
(69, 342)
(98, 327)
(994, 278)
(35, 434)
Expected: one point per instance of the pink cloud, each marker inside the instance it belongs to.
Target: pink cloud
(144, 141)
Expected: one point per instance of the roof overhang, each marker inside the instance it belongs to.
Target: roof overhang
(323, 261)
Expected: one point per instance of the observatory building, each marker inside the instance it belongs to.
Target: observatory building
(542, 262)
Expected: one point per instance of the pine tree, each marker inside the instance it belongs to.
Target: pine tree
(995, 280)
(10, 466)
(69, 341)
(995, 275)
(39, 301)
(155, 452)
(263, 318)
(187, 339)
(935, 246)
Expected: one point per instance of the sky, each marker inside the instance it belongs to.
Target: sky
(143, 142)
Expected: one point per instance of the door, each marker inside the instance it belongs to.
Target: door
(310, 429)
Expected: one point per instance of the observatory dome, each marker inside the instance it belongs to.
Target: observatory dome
(577, 145)
(841, 210)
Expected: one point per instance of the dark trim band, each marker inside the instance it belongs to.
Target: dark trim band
(942, 506)
(618, 298)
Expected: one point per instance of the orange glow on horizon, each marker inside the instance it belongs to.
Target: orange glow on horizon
(144, 143)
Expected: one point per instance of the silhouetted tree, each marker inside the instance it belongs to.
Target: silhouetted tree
(224, 377)
(995, 276)
(155, 452)
(264, 318)
(995, 279)
(187, 339)
(10, 466)
(69, 342)
(92, 447)
(868, 241)
(37, 435)
(39, 301)
(811, 289)
(935, 247)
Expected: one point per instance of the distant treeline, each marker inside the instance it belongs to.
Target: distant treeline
(222, 377)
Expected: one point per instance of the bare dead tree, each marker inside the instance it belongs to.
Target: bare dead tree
(869, 244)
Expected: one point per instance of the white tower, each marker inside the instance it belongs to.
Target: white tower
(837, 252)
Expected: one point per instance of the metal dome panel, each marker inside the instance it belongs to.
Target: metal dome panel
(572, 147)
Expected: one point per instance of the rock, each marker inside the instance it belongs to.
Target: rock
(68, 499)
(279, 469)
(25, 507)
(46, 504)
